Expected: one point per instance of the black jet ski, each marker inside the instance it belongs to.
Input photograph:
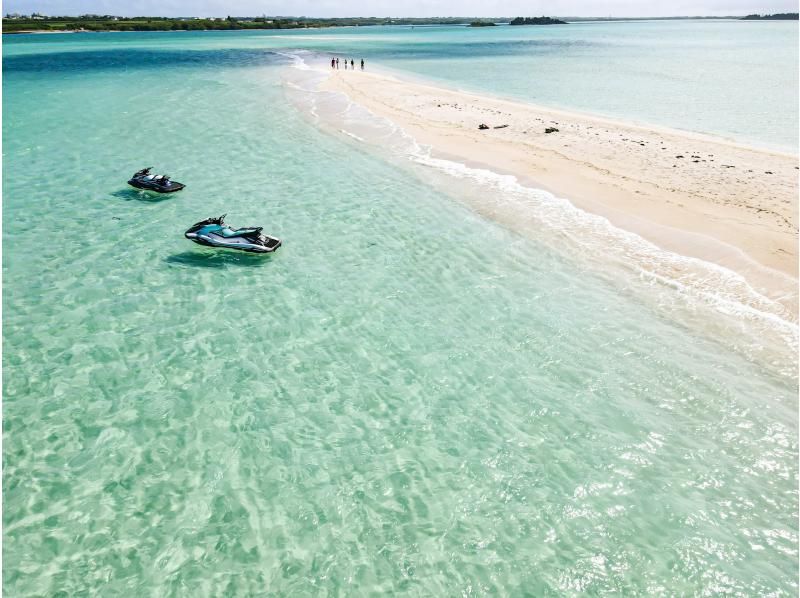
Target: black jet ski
(213, 232)
(159, 183)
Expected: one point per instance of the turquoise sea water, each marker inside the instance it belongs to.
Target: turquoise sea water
(411, 396)
(731, 78)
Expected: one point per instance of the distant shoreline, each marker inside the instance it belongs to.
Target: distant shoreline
(298, 23)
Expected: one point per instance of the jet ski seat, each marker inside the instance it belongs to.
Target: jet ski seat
(229, 233)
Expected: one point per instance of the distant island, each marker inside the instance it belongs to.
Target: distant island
(482, 24)
(781, 16)
(537, 21)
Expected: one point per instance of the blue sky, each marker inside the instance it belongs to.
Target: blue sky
(417, 8)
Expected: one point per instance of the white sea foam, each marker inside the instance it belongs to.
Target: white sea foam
(720, 287)
(353, 135)
(297, 60)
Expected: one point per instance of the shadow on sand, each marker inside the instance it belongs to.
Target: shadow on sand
(217, 259)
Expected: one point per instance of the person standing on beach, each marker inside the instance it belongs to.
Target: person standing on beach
(337, 63)
(333, 63)
(345, 64)
(352, 64)
(362, 64)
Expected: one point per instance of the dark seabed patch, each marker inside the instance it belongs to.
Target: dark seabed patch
(133, 59)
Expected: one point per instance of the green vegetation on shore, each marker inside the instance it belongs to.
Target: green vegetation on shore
(20, 24)
(781, 16)
(537, 21)
(41, 23)
(86, 23)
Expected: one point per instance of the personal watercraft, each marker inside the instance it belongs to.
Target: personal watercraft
(159, 183)
(213, 232)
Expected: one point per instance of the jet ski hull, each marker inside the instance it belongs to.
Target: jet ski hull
(237, 243)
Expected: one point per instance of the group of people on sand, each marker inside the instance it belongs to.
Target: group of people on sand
(335, 64)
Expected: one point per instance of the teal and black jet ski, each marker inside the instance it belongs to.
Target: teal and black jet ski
(213, 232)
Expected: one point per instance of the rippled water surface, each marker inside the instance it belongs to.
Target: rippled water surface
(407, 397)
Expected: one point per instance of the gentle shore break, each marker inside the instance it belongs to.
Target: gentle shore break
(693, 194)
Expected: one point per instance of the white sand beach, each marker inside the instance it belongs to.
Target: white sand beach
(693, 194)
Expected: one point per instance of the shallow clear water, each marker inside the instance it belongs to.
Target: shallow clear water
(406, 397)
(731, 78)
